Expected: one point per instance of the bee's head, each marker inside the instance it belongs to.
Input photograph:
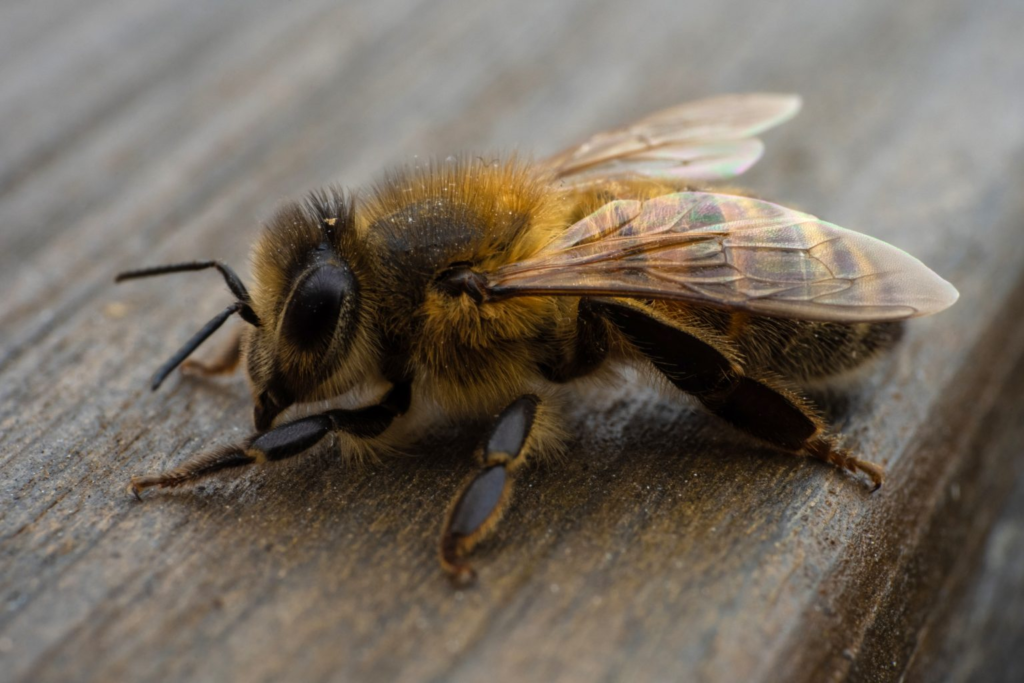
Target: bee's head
(308, 291)
(305, 341)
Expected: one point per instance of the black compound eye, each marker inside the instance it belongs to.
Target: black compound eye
(316, 304)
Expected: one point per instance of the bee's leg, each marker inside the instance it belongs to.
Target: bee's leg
(223, 362)
(480, 504)
(283, 441)
(699, 363)
(587, 352)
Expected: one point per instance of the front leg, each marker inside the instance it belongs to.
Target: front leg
(223, 362)
(476, 511)
(284, 441)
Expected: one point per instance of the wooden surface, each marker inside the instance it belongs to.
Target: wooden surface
(667, 547)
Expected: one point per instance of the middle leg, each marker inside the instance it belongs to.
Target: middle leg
(522, 430)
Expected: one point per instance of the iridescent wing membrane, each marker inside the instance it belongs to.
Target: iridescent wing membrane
(709, 139)
(733, 252)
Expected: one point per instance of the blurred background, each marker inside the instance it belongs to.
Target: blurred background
(142, 132)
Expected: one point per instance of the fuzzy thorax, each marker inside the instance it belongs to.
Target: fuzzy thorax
(484, 353)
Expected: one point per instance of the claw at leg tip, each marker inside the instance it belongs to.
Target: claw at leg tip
(462, 575)
(459, 572)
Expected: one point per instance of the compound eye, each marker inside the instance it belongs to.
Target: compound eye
(316, 304)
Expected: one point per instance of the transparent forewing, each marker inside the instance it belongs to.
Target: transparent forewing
(733, 252)
(688, 162)
(705, 140)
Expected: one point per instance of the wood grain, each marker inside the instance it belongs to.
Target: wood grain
(667, 547)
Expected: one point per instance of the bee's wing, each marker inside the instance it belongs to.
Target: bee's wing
(732, 252)
(704, 140)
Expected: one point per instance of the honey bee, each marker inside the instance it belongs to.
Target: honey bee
(474, 289)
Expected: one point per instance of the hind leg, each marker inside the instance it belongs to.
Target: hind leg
(705, 365)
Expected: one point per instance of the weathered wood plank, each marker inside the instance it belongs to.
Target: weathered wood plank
(974, 635)
(669, 548)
